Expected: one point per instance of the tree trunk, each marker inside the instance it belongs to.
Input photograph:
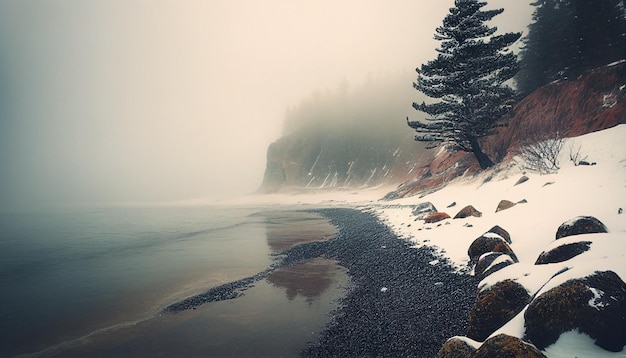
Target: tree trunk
(483, 159)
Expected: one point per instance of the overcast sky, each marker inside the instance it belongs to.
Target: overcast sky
(159, 100)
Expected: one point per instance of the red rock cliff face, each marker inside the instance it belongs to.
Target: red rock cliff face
(594, 101)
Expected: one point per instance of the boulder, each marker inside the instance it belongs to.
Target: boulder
(593, 305)
(505, 346)
(491, 262)
(503, 233)
(455, 348)
(468, 211)
(563, 252)
(422, 210)
(494, 307)
(521, 180)
(504, 204)
(489, 242)
(580, 225)
(436, 217)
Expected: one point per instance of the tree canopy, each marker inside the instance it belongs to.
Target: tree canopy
(466, 81)
(568, 37)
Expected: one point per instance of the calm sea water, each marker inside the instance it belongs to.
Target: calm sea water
(104, 275)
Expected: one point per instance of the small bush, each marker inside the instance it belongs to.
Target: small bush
(543, 156)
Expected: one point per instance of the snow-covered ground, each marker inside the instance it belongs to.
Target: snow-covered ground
(598, 191)
(550, 200)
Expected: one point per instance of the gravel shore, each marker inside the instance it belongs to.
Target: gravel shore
(400, 302)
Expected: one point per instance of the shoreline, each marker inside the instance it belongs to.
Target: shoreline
(401, 300)
(398, 301)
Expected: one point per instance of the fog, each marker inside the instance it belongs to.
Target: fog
(117, 101)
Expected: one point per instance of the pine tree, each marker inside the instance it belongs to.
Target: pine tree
(568, 37)
(466, 80)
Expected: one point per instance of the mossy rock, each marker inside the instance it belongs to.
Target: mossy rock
(489, 243)
(455, 348)
(505, 346)
(580, 225)
(594, 305)
(494, 307)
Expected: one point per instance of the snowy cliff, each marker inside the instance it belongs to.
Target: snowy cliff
(348, 139)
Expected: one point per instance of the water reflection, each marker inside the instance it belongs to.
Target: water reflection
(288, 229)
(309, 278)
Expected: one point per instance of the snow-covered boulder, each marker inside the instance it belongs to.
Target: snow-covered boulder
(468, 211)
(491, 262)
(489, 242)
(503, 233)
(505, 346)
(422, 210)
(563, 252)
(593, 305)
(494, 307)
(580, 225)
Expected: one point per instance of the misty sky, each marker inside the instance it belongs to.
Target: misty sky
(159, 100)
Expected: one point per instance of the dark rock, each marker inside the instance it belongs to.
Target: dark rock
(584, 162)
(504, 204)
(505, 346)
(503, 233)
(482, 266)
(468, 211)
(436, 217)
(422, 210)
(489, 242)
(593, 305)
(563, 252)
(523, 201)
(455, 348)
(521, 180)
(495, 307)
(451, 204)
(548, 183)
(580, 225)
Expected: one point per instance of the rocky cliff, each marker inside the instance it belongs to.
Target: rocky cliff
(335, 159)
(594, 101)
(371, 152)
(348, 139)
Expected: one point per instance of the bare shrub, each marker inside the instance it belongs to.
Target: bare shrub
(575, 155)
(543, 156)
